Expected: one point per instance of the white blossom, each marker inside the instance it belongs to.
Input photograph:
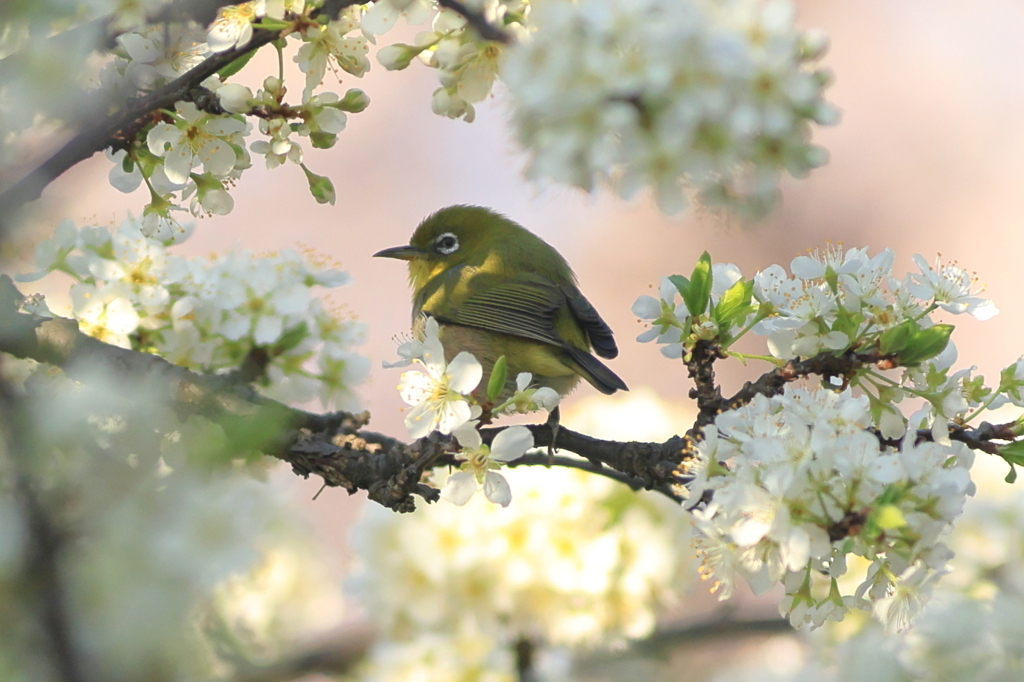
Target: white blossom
(555, 563)
(195, 138)
(332, 41)
(207, 314)
(950, 288)
(481, 462)
(233, 27)
(438, 396)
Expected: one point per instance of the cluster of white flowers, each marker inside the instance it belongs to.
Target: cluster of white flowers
(441, 657)
(209, 314)
(971, 628)
(805, 484)
(715, 97)
(467, 66)
(836, 301)
(165, 538)
(200, 151)
(803, 481)
(444, 399)
(669, 318)
(577, 560)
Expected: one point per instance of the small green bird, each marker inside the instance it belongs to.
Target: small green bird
(497, 289)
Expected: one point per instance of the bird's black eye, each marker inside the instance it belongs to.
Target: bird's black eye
(447, 243)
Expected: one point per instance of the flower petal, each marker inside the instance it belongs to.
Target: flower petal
(496, 489)
(511, 443)
(468, 436)
(523, 381)
(420, 421)
(452, 415)
(459, 487)
(465, 373)
(546, 398)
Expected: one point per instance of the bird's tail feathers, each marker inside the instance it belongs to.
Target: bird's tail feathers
(595, 371)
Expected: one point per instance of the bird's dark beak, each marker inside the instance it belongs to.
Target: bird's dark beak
(400, 252)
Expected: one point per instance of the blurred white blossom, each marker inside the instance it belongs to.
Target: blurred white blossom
(575, 560)
(714, 97)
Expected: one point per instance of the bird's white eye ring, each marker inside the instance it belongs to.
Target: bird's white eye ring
(447, 243)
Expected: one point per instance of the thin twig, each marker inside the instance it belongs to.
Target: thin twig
(826, 365)
(335, 657)
(525, 650)
(478, 21)
(543, 459)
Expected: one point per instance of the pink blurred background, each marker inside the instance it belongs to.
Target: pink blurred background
(927, 158)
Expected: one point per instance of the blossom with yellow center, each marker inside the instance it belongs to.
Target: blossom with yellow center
(438, 396)
(482, 462)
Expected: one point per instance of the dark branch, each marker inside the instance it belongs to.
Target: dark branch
(700, 365)
(478, 21)
(670, 636)
(825, 365)
(42, 568)
(525, 650)
(337, 656)
(99, 33)
(980, 438)
(100, 132)
(334, 446)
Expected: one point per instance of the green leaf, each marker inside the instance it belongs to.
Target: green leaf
(848, 323)
(699, 291)
(1012, 476)
(234, 67)
(497, 379)
(1013, 452)
(897, 338)
(291, 338)
(682, 284)
(926, 344)
(734, 304)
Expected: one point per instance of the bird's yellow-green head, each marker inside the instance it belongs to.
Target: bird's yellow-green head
(480, 239)
(497, 289)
